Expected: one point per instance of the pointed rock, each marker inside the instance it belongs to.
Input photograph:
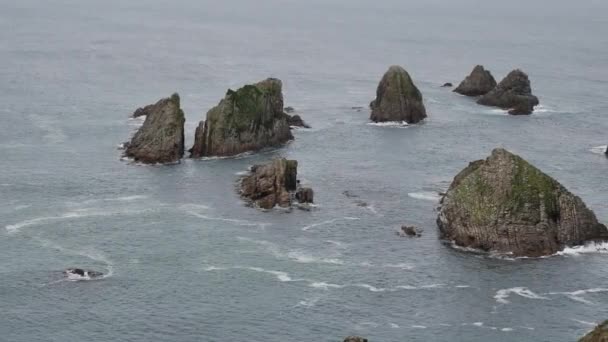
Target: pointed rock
(161, 138)
(248, 119)
(513, 93)
(504, 204)
(599, 334)
(397, 98)
(479, 82)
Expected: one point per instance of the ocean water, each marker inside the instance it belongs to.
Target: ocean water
(185, 260)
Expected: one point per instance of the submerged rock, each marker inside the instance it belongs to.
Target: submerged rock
(397, 98)
(410, 231)
(274, 184)
(355, 339)
(248, 119)
(161, 138)
(479, 82)
(447, 85)
(599, 334)
(79, 272)
(513, 93)
(504, 204)
(289, 110)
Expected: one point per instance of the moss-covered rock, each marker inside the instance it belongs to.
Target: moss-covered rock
(161, 138)
(599, 334)
(506, 205)
(397, 98)
(248, 119)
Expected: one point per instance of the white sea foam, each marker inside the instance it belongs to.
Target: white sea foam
(280, 275)
(297, 255)
(426, 195)
(325, 286)
(418, 327)
(406, 287)
(395, 124)
(234, 221)
(577, 295)
(506, 329)
(329, 221)
(371, 288)
(88, 212)
(242, 173)
(599, 149)
(593, 247)
(462, 286)
(591, 324)
(432, 286)
(394, 325)
(502, 295)
(478, 324)
(402, 266)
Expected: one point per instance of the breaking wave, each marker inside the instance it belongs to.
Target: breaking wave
(502, 295)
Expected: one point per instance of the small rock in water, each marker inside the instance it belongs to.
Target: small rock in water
(305, 195)
(349, 194)
(289, 110)
(447, 85)
(410, 231)
(82, 273)
(355, 339)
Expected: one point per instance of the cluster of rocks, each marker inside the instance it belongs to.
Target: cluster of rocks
(275, 184)
(513, 93)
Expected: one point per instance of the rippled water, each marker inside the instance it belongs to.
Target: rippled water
(185, 260)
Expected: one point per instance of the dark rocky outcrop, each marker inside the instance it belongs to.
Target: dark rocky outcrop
(479, 82)
(82, 273)
(161, 137)
(296, 121)
(355, 339)
(248, 119)
(305, 195)
(599, 334)
(273, 184)
(447, 85)
(289, 110)
(504, 204)
(397, 98)
(513, 93)
(410, 231)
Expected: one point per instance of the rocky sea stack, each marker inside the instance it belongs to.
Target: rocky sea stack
(275, 183)
(248, 119)
(397, 98)
(161, 138)
(599, 334)
(513, 93)
(504, 204)
(479, 82)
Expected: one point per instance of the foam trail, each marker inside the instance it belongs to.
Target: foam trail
(402, 266)
(281, 276)
(395, 124)
(328, 222)
(235, 221)
(591, 324)
(426, 196)
(418, 327)
(13, 228)
(502, 295)
(297, 256)
(599, 149)
(576, 295)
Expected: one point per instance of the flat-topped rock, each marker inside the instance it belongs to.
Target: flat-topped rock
(161, 137)
(504, 204)
(397, 98)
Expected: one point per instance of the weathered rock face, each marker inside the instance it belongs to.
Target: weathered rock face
(248, 119)
(397, 98)
(479, 82)
(161, 138)
(513, 93)
(355, 339)
(599, 334)
(271, 184)
(504, 204)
